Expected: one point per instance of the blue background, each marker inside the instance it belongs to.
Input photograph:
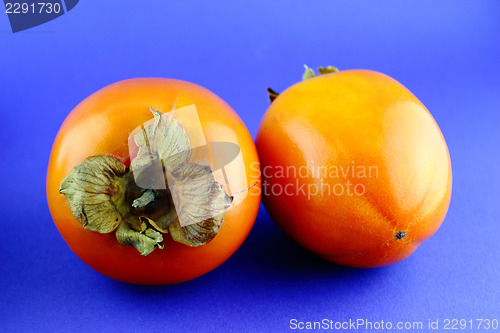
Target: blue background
(446, 52)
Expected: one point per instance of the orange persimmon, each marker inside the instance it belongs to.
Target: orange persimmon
(92, 192)
(354, 167)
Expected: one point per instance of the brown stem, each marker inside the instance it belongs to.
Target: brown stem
(145, 199)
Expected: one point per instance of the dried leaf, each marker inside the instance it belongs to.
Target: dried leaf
(327, 70)
(162, 223)
(89, 189)
(308, 73)
(200, 202)
(196, 234)
(164, 140)
(144, 241)
(272, 95)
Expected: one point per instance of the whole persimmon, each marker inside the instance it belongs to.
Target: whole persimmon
(153, 181)
(354, 167)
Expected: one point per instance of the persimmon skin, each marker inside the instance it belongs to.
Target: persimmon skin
(101, 124)
(357, 118)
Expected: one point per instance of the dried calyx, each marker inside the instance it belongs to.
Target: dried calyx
(162, 192)
(308, 73)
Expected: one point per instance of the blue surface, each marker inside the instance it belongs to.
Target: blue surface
(446, 52)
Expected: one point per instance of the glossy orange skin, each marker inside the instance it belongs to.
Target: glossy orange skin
(361, 118)
(101, 124)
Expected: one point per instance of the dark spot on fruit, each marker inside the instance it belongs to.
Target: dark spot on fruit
(401, 234)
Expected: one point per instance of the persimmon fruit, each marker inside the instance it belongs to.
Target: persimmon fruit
(153, 181)
(354, 167)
